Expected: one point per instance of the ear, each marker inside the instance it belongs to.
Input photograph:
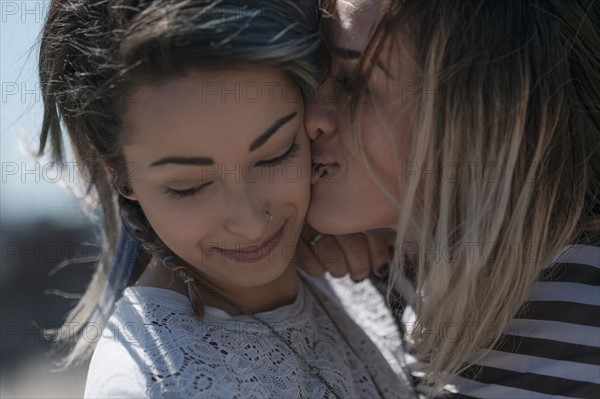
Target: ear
(122, 187)
(126, 191)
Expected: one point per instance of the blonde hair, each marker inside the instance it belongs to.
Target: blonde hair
(510, 87)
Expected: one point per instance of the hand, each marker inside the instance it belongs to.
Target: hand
(358, 254)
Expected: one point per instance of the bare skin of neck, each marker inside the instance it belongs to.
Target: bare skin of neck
(277, 293)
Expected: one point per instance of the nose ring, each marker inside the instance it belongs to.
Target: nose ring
(269, 217)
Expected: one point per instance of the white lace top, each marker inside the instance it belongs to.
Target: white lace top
(154, 347)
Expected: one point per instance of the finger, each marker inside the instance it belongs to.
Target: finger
(306, 260)
(329, 254)
(379, 250)
(356, 253)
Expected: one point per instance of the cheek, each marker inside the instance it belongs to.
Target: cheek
(178, 223)
(387, 145)
(304, 181)
(292, 184)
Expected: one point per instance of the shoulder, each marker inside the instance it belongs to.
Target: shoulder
(568, 288)
(366, 325)
(153, 346)
(552, 346)
(366, 312)
(362, 301)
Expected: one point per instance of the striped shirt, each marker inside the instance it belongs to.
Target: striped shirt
(552, 346)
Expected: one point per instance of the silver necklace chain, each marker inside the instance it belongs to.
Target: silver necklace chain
(313, 370)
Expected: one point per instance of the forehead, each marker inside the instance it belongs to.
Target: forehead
(222, 110)
(208, 90)
(356, 22)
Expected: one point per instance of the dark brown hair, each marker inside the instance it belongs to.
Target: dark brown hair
(93, 55)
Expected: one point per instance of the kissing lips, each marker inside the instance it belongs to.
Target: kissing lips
(320, 171)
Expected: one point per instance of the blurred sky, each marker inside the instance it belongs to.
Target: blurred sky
(30, 192)
(30, 188)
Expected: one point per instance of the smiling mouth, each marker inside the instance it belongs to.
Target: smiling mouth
(321, 171)
(255, 253)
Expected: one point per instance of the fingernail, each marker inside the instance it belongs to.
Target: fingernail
(383, 270)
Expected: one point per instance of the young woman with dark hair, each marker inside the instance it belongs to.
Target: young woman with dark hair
(193, 111)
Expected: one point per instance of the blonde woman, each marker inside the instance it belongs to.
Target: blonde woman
(469, 133)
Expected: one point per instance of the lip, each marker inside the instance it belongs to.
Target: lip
(257, 254)
(323, 171)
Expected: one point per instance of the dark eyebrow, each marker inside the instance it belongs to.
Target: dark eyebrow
(198, 161)
(270, 131)
(347, 54)
(202, 161)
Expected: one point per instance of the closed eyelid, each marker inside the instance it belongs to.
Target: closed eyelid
(289, 151)
(187, 192)
(348, 55)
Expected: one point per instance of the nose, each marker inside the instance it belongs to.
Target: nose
(247, 216)
(319, 117)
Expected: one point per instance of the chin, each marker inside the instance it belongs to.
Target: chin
(252, 276)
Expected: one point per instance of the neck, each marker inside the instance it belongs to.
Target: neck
(279, 292)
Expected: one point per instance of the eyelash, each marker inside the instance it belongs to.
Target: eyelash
(346, 82)
(187, 192)
(289, 154)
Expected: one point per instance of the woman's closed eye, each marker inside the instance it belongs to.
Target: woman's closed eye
(345, 82)
(289, 154)
(188, 192)
(348, 82)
